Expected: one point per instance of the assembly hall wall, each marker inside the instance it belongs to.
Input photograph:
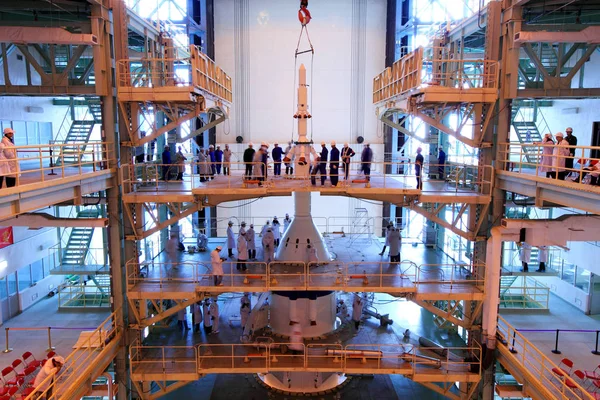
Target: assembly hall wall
(255, 43)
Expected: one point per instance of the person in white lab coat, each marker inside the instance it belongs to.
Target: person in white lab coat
(286, 222)
(230, 239)
(202, 241)
(182, 319)
(560, 154)
(266, 226)
(387, 240)
(546, 160)
(242, 249)
(172, 250)
(10, 164)
(206, 316)
(357, 309)
(214, 314)
(313, 259)
(395, 242)
(196, 310)
(543, 258)
(525, 256)
(217, 265)
(268, 242)
(41, 384)
(251, 239)
(276, 231)
(245, 309)
(342, 310)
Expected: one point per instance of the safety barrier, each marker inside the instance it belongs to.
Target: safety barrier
(81, 358)
(536, 363)
(45, 163)
(95, 257)
(530, 159)
(48, 329)
(458, 363)
(161, 73)
(431, 67)
(436, 179)
(525, 293)
(84, 296)
(295, 275)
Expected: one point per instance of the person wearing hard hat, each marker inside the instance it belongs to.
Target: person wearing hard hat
(248, 159)
(286, 222)
(251, 239)
(230, 239)
(218, 159)
(257, 168)
(276, 231)
(268, 242)
(277, 154)
(43, 382)
(334, 164)
(217, 265)
(366, 158)
(245, 309)
(9, 169)
(347, 154)
(323, 164)
(214, 314)
(207, 323)
(265, 160)
(213, 159)
(226, 160)
(289, 166)
(242, 249)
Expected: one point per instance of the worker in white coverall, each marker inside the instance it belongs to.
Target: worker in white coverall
(242, 249)
(266, 226)
(313, 259)
(286, 222)
(214, 315)
(217, 265)
(245, 308)
(251, 239)
(268, 242)
(525, 256)
(296, 345)
(357, 309)
(172, 250)
(206, 316)
(542, 258)
(51, 367)
(276, 231)
(230, 239)
(197, 315)
(395, 242)
(182, 319)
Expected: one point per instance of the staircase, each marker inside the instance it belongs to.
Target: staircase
(96, 111)
(79, 132)
(456, 306)
(361, 228)
(76, 250)
(506, 281)
(102, 282)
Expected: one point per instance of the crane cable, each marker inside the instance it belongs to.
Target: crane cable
(304, 17)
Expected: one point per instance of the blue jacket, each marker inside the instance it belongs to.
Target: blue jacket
(166, 157)
(324, 155)
(442, 157)
(277, 153)
(219, 155)
(335, 155)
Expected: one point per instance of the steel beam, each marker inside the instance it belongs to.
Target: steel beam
(589, 35)
(25, 35)
(43, 220)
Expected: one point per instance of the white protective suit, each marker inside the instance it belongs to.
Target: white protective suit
(525, 253)
(547, 150)
(206, 315)
(286, 224)
(543, 254)
(393, 237)
(251, 239)
(357, 308)
(9, 154)
(268, 242)
(560, 154)
(245, 309)
(276, 230)
(230, 238)
(242, 248)
(216, 263)
(214, 315)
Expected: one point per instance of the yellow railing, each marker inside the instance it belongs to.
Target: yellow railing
(530, 159)
(147, 73)
(538, 365)
(84, 296)
(81, 358)
(272, 357)
(456, 178)
(524, 292)
(351, 277)
(432, 67)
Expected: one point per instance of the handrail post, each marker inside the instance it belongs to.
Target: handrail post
(50, 341)
(7, 349)
(595, 351)
(512, 349)
(556, 351)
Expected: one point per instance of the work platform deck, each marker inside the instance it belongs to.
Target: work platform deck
(425, 282)
(397, 189)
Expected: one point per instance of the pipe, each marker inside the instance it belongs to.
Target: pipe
(355, 353)
(109, 380)
(383, 319)
(422, 360)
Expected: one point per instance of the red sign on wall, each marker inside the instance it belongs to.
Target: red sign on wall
(6, 237)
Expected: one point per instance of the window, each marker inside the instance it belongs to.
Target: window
(3, 294)
(24, 275)
(37, 271)
(46, 265)
(12, 283)
(582, 279)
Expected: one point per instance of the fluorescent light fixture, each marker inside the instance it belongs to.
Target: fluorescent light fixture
(3, 265)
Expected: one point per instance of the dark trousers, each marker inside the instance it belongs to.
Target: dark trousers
(346, 168)
(218, 167)
(395, 258)
(542, 266)
(218, 279)
(323, 170)
(165, 171)
(367, 170)
(313, 174)
(277, 242)
(356, 324)
(225, 170)
(418, 171)
(277, 168)
(139, 159)
(525, 266)
(334, 170)
(180, 176)
(441, 172)
(251, 254)
(230, 252)
(241, 265)
(249, 169)
(289, 170)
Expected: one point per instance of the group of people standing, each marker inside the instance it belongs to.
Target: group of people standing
(212, 161)
(205, 312)
(558, 156)
(334, 156)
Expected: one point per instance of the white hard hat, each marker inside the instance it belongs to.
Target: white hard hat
(251, 225)
(264, 144)
(211, 147)
(219, 247)
(59, 359)
(8, 130)
(287, 215)
(275, 217)
(243, 223)
(333, 142)
(345, 144)
(322, 143)
(276, 144)
(559, 134)
(250, 144)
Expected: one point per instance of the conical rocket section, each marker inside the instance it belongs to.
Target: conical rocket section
(302, 232)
